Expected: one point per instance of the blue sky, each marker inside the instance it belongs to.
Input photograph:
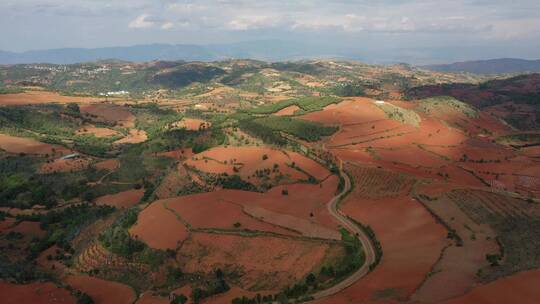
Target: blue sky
(510, 28)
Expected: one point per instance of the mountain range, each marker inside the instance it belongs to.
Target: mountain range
(492, 66)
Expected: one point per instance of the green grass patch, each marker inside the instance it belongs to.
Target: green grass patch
(306, 104)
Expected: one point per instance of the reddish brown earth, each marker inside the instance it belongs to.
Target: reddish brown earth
(124, 199)
(110, 113)
(177, 154)
(456, 271)
(519, 288)
(134, 137)
(14, 144)
(411, 244)
(38, 293)
(288, 111)
(213, 210)
(29, 229)
(96, 131)
(192, 124)
(302, 211)
(247, 160)
(65, 165)
(6, 223)
(109, 164)
(102, 291)
(43, 97)
(267, 263)
(159, 228)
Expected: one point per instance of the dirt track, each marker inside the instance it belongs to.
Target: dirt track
(364, 240)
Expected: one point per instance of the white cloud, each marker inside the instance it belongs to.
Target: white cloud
(252, 22)
(141, 22)
(167, 26)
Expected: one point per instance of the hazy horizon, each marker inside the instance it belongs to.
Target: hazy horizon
(427, 31)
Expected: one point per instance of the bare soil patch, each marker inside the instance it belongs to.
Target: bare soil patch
(102, 291)
(124, 199)
(519, 288)
(134, 137)
(65, 165)
(14, 144)
(159, 227)
(44, 97)
(39, 293)
(288, 111)
(265, 263)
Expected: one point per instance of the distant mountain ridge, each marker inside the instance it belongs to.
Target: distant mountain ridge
(491, 66)
(269, 50)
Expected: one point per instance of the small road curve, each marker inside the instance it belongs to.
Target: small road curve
(352, 227)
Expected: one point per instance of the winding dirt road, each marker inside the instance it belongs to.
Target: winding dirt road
(352, 227)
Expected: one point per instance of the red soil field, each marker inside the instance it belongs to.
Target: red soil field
(177, 154)
(305, 227)
(110, 113)
(456, 271)
(411, 245)
(350, 111)
(192, 124)
(43, 97)
(35, 293)
(531, 151)
(212, 210)
(14, 144)
(65, 165)
(102, 291)
(6, 223)
(288, 111)
(519, 288)
(304, 201)
(109, 164)
(255, 257)
(247, 160)
(98, 132)
(159, 227)
(134, 137)
(456, 153)
(29, 229)
(124, 199)
(410, 155)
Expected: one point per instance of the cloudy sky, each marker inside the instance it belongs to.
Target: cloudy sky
(498, 27)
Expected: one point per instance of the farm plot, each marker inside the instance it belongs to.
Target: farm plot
(124, 199)
(159, 228)
(14, 144)
(374, 182)
(410, 247)
(518, 288)
(258, 165)
(263, 263)
(102, 291)
(191, 124)
(65, 165)
(109, 114)
(455, 273)
(516, 223)
(97, 131)
(43, 97)
(213, 210)
(42, 293)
